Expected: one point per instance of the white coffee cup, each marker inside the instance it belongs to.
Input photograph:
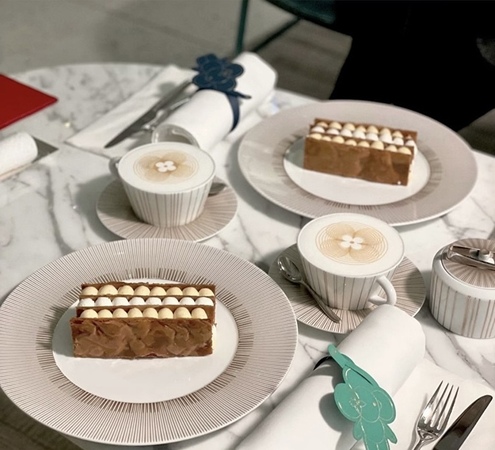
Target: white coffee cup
(348, 257)
(462, 291)
(167, 183)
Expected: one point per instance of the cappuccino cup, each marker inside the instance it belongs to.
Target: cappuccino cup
(167, 183)
(349, 258)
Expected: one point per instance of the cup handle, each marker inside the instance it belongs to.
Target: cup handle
(390, 293)
(113, 165)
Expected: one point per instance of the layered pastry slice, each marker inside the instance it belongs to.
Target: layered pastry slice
(137, 320)
(360, 150)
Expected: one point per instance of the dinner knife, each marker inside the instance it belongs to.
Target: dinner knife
(455, 436)
(149, 115)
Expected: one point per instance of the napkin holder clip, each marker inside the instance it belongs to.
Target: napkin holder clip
(361, 400)
(220, 75)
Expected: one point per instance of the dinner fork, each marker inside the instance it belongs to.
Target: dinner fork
(434, 417)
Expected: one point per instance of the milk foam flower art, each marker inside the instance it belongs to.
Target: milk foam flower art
(166, 167)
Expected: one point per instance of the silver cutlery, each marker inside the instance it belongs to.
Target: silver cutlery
(291, 272)
(149, 115)
(455, 436)
(433, 419)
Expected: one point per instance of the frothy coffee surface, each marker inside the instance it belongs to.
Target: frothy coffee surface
(351, 243)
(348, 244)
(166, 167)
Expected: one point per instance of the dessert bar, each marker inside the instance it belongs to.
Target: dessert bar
(140, 320)
(359, 150)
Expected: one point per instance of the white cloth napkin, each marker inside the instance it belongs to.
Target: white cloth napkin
(95, 136)
(389, 345)
(16, 151)
(207, 118)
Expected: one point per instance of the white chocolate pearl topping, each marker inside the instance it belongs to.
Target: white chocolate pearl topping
(204, 301)
(332, 131)
(170, 301)
(398, 141)
(190, 291)
(165, 313)
(206, 292)
(142, 290)
(157, 290)
(405, 150)
(397, 134)
(317, 129)
(104, 314)
(134, 312)
(315, 135)
(338, 139)
(108, 289)
(378, 145)
(186, 301)
(103, 301)
(351, 142)
(335, 125)
(150, 312)
(120, 301)
(126, 290)
(182, 313)
(364, 144)
(372, 129)
(174, 291)
(386, 138)
(119, 313)
(326, 138)
(361, 128)
(411, 143)
(371, 136)
(135, 301)
(385, 130)
(358, 134)
(322, 124)
(85, 302)
(89, 314)
(346, 133)
(349, 126)
(89, 290)
(391, 148)
(153, 301)
(199, 313)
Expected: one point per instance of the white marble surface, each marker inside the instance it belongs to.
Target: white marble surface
(48, 210)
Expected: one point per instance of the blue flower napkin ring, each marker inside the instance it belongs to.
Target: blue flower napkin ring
(220, 75)
(361, 400)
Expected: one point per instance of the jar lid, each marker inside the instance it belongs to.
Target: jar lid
(471, 261)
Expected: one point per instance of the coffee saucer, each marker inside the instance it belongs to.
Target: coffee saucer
(115, 213)
(407, 280)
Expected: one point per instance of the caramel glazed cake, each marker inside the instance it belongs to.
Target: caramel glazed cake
(132, 320)
(357, 150)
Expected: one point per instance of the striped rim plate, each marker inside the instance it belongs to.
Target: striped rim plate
(267, 340)
(115, 213)
(407, 280)
(452, 167)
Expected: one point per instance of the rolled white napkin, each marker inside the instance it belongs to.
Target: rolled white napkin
(207, 118)
(16, 151)
(389, 345)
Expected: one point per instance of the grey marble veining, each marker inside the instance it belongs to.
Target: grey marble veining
(48, 210)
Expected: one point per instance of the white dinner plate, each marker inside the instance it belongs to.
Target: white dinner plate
(270, 159)
(266, 333)
(407, 281)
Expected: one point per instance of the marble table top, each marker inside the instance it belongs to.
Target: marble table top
(61, 191)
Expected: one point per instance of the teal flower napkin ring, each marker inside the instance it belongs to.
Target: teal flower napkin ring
(220, 75)
(361, 400)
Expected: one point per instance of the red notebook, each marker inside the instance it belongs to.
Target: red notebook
(18, 100)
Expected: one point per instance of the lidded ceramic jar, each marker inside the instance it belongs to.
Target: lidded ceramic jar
(462, 291)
